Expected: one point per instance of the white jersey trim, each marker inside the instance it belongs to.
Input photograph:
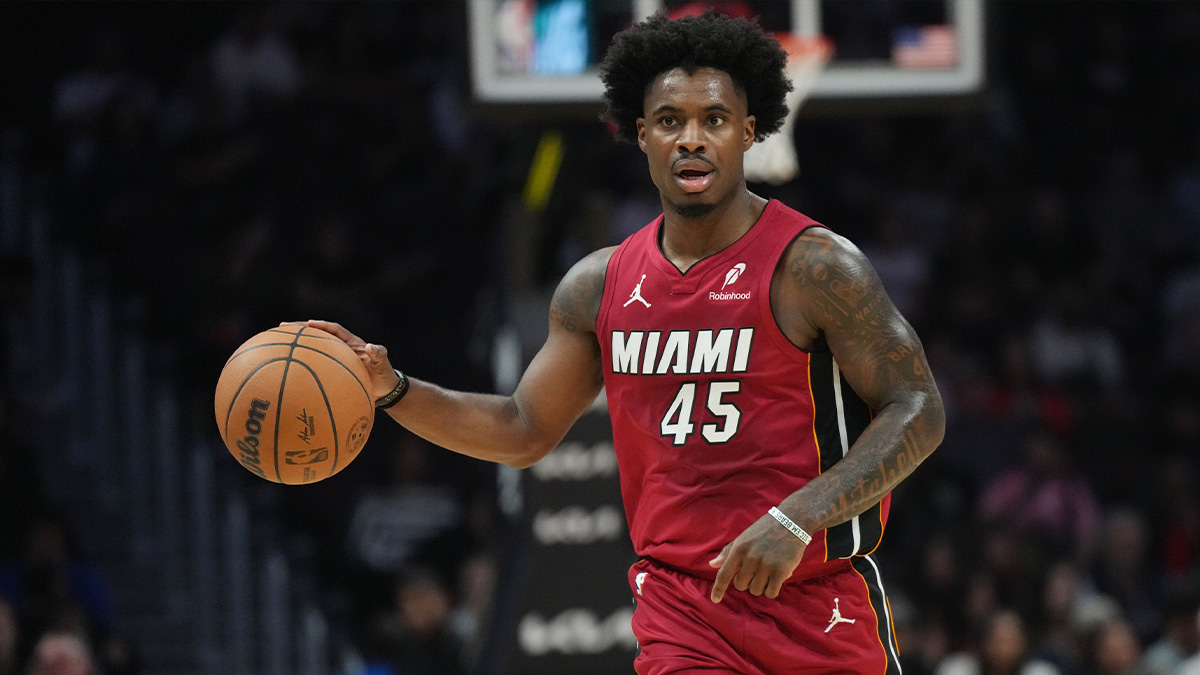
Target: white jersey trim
(855, 530)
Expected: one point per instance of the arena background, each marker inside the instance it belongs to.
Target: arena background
(165, 194)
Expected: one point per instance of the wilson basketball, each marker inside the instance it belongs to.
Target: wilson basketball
(293, 405)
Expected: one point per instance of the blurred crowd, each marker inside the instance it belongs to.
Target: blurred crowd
(229, 166)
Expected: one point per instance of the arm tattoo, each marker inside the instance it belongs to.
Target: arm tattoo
(576, 301)
(882, 358)
(563, 317)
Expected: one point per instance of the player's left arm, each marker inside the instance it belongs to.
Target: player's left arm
(827, 289)
(837, 291)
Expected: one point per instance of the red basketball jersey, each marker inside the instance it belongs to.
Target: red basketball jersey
(716, 416)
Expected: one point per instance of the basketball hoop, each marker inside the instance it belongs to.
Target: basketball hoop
(774, 160)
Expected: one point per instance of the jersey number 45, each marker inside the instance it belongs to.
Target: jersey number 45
(677, 423)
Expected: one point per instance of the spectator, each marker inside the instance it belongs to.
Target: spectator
(53, 589)
(476, 588)
(1181, 308)
(1176, 516)
(922, 642)
(414, 635)
(979, 604)
(253, 60)
(903, 264)
(1180, 636)
(1191, 666)
(391, 523)
(1115, 650)
(1044, 498)
(939, 586)
(1003, 650)
(1057, 642)
(59, 653)
(1071, 345)
(83, 97)
(1122, 569)
(49, 583)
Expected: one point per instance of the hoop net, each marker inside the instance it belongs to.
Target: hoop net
(774, 160)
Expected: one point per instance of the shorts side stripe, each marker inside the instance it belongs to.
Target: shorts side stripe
(869, 572)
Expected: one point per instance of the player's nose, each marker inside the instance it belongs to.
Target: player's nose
(691, 139)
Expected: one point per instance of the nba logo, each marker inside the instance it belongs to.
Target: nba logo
(638, 581)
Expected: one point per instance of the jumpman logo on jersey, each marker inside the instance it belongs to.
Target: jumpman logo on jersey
(837, 617)
(637, 294)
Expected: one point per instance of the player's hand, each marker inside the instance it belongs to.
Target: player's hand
(374, 357)
(759, 560)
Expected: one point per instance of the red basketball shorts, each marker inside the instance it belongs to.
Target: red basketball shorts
(838, 622)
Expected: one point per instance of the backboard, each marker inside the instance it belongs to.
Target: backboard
(546, 51)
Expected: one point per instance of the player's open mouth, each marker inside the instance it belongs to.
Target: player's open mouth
(693, 180)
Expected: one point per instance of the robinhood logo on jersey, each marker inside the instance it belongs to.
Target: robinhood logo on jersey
(731, 278)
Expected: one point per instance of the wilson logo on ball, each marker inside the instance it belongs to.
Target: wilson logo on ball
(249, 444)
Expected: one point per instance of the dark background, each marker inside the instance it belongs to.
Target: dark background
(1043, 237)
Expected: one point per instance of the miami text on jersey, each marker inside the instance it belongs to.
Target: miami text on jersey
(682, 352)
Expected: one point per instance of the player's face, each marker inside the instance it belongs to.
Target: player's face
(694, 133)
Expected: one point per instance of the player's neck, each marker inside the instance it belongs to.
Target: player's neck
(688, 240)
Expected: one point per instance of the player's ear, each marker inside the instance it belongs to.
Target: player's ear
(641, 129)
(748, 132)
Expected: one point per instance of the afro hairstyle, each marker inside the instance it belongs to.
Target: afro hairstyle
(639, 54)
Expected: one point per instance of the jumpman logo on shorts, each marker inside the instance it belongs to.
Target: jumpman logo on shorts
(837, 617)
(637, 294)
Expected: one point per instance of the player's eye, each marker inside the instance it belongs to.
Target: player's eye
(716, 120)
(668, 121)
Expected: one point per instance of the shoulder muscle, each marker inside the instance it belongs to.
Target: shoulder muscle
(576, 301)
(830, 283)
(836, 283)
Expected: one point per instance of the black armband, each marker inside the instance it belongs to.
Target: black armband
(393, 397)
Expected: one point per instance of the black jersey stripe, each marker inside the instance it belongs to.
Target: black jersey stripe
(869, 572)
(835, 404)
(825, 417)
(825, 422)
(858, 416)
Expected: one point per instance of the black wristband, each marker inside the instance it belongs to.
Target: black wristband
(393, 397)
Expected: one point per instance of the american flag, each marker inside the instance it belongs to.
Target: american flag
(925, 47)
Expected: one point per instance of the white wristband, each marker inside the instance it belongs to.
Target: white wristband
(793, 527)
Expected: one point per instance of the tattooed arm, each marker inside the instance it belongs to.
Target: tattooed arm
(830, 286)
(561, 382)
(826, 294)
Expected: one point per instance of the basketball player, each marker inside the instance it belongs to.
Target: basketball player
(765, 394)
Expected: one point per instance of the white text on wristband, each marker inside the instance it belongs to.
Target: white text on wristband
(793, 527)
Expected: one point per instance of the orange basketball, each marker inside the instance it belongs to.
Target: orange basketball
(293, 405)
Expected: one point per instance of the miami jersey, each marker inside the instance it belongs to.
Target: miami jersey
(716, 416)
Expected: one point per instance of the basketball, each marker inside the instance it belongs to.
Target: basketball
(293, 405)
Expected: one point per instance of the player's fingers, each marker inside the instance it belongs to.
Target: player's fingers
(746, 572)
(338, 331)
(720, 559)
(759, 583)
(775, 585)
(376, 359)
(724, 576)
(370, 351)
(364, 355)
(379, 353)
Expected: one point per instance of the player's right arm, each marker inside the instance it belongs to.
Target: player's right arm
(559, 385)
